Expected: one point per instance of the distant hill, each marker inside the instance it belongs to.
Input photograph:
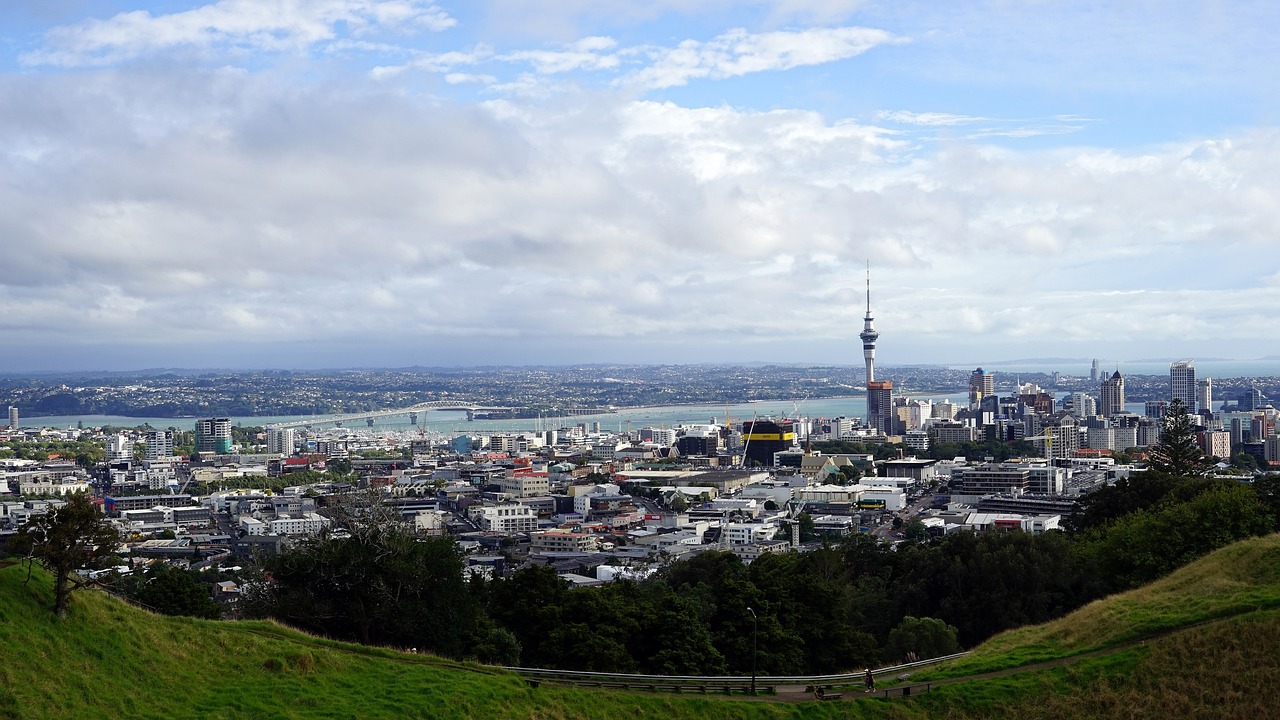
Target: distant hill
(1202, 642)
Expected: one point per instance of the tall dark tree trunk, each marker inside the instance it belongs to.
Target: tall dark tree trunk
(61, 592)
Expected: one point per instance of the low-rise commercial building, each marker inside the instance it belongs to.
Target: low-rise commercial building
(505, 519)
(550, 541)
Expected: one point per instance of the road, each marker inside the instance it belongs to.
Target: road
(887, 532)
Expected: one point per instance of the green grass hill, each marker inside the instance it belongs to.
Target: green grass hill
(1203, 642)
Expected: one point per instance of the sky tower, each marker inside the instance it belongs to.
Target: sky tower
(869, 334)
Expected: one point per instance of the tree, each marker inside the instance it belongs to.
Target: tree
(496, 646)
(983, 583)
(1147, 544)
(1139, 491)
(915, 530)
(89, 454)
(1178, 453)
(171, 591)
(1244, 461)
(1267, 488)
(378, 584)
(923, 637)
(66, 539)
(850, 475)
(678, 502)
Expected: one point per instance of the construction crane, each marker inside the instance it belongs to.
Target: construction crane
(795, 509)
(1047, 437)
(746, 445)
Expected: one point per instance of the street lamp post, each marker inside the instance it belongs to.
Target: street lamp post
(755, 634)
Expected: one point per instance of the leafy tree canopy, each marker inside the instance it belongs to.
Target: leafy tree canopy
(920, 639)
(1178, 453)
(378, 584)
(171, 591)
(64, 540)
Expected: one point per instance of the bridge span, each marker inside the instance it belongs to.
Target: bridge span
(411, 412)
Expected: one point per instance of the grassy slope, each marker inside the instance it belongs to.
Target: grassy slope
(1202, 642)
(1222, 670)
(1238, 578)
(110, 660)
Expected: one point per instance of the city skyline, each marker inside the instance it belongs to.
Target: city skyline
(390, 183)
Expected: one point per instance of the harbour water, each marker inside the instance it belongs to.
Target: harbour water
(453, 422)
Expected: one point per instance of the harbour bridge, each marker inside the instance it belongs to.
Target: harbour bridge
(412, 412)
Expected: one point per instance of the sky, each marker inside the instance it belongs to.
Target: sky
(385, 183)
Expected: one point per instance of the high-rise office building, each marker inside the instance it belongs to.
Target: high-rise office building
(763, 438)
(1204, 395)
(1112, 396)
(1081, 405)
(1094, 372)
(13, 418)
(943, 410)
(1182, 384)
(880, 412)
(1260, 428)
(119, 448)
(1149, 431)
(1237, 431)
(1271, 449)
(213, 435)
(982, 384)
(1155, 408)
(280, 440)
(1061, 437)
(1215, 443)
(159, 444)
(1252, 399)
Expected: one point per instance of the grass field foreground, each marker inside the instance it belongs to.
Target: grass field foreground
(107, 659)
(1200, 643)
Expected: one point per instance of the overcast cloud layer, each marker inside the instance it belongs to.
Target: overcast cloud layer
(392, 182)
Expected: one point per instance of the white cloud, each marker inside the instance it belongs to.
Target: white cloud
(445, 62)
(993, 127)
(463, 78)
(739, 52)
(728, 55)
(1026, 131)
(926, 118)
(199, 206)
(585, 54)
(268, 25)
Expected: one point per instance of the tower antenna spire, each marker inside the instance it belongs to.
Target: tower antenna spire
(868, 287)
